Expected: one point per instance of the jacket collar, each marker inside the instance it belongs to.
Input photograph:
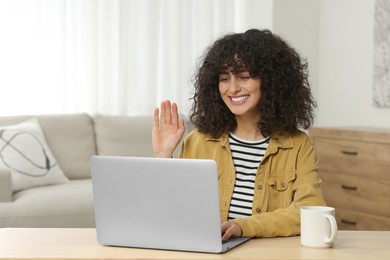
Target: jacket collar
(277, 141)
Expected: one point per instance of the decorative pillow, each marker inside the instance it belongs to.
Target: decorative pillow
(23, 149)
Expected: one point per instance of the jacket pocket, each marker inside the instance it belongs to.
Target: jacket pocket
(282, 182)
(280, 190)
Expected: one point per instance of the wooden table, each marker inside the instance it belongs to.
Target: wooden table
(40, 243)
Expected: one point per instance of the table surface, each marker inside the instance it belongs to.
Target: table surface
(48, 243)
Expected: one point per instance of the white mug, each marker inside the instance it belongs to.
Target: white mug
(318, 226)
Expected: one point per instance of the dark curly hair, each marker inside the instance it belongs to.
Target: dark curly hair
(286, 102)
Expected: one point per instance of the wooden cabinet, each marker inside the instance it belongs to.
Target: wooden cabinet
(354, 165)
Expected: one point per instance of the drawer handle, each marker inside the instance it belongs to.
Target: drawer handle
(348, 222)
(346, 187)
(354, 153)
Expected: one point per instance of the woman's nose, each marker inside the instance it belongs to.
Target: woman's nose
(234, 86)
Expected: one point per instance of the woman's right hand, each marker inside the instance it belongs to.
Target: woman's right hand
(167, 131)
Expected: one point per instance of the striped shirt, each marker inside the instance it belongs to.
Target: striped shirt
(247, 156)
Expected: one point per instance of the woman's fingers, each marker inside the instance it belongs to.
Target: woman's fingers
(175, 114)
(168, 130)
(155, 118)
(162, 112)
(230, 229)
(169, 114)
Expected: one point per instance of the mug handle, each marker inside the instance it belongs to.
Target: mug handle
(333, 227)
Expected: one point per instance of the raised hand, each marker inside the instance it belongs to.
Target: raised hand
(167, 131)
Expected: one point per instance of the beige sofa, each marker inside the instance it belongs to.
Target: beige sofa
(72, 139)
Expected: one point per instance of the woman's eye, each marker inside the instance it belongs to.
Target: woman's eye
(223, 78)
(244, 75)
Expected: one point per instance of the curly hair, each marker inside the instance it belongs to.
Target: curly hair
(286, 102)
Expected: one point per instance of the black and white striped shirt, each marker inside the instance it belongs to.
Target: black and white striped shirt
(247, 156)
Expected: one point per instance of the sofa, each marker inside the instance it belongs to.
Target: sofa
(58, 193)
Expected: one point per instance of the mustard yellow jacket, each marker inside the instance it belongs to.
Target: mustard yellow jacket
(286, 180)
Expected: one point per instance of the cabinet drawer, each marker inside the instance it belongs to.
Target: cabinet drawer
(354, 157)
(352, 220)
(369, 195)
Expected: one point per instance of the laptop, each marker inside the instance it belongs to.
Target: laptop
(158, 203)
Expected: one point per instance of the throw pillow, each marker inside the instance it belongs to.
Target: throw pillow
(23, 149)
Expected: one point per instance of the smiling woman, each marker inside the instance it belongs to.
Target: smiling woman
(251, 98)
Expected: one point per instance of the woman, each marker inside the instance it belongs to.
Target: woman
(251, 98)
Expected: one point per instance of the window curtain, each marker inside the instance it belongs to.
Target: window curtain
(114, 57)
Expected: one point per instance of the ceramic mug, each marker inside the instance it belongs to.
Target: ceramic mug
(318, 226)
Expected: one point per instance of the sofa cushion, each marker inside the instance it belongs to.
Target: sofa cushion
(24, 151)
(71, 139)
(127, 135)
(124, 135)
(67, 205)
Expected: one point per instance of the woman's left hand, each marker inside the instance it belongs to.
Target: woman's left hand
(230, 229)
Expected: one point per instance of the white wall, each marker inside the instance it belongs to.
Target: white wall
(346, 65)
(298, 22)
(342, 67)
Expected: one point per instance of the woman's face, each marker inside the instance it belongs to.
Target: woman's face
(241, 93)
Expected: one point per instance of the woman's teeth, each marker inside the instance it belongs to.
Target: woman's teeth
(238, 99)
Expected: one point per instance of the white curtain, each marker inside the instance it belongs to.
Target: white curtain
(119, 57)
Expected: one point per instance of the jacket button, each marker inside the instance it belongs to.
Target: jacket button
(259, 187)
(258, 210)
(283, 184)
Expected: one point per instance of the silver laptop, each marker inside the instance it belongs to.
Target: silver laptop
(155, 203)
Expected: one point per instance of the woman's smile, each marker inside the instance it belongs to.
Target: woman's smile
(238, 100)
